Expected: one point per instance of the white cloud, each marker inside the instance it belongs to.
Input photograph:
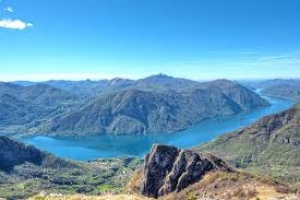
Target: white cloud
(9, 9)
(14, 24)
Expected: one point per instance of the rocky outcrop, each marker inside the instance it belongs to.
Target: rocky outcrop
(168, 169)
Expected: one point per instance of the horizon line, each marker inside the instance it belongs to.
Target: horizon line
(102, 77)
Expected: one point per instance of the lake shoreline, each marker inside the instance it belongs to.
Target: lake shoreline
(114, 146)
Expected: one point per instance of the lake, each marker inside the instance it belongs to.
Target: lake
(105, 146)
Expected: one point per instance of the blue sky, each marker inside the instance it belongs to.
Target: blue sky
(197, 39)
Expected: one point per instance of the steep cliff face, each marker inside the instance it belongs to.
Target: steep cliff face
(168, 169)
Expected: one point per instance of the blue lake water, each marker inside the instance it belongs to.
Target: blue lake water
(105, 146)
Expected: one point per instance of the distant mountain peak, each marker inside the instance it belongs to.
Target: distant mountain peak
(223, 81)
(117, 81)
(159, 76)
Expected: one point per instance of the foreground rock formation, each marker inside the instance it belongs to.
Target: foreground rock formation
(168, 169)
(176, 174)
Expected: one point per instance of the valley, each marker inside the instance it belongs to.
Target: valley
(97, 143)
(106, 146)
(149, 100)
(168, 173)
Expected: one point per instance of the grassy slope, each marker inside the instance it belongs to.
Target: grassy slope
(268, 147)
(80, 197)
(217, 185)
(25, 171)
(93, 178)
(233, 186)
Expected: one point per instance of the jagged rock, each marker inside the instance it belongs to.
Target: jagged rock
(168, 169)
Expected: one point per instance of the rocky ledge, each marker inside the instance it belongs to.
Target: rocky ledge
(168, 169)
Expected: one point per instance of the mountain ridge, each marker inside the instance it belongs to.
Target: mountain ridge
(137, 112)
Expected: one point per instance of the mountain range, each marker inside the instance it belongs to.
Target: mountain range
(289, 91)
(25, 107)
(156, 104)
(39, 94)
(89, 88)
(139, 112)
(285, 88)
(259, 161)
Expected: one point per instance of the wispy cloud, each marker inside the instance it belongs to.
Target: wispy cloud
(260, 66)
(234, 52)
(14, 24)
(9, 9)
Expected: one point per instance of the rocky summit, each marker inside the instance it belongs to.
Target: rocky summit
(168, 169)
